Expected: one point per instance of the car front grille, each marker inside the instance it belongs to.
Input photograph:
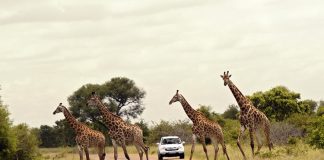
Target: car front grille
(171, 149)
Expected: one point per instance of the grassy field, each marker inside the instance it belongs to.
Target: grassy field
(297, 152)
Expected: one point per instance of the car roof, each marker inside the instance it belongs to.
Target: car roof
(169, 137)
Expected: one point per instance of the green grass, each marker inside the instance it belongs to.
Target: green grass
(298, 152)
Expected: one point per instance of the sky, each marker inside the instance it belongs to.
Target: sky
(50, 48)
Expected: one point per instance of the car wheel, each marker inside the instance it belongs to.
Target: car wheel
(182, 156)
(160, 157)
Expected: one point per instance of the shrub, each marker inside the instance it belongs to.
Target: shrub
(165, 128)
(320, 111)
(231, 130)
(27, 143)
(316, 134)
(281, 132)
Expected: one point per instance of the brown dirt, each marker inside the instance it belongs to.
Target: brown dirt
(131, 156)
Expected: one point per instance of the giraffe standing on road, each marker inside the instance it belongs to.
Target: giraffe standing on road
(250, 118)
(85, 137)
(119, 131)
(202, 127)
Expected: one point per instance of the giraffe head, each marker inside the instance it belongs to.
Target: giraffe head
(59, 108)
(93, 100)
(175, 98)
(226, 77)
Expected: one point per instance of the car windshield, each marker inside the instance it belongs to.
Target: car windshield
(171, 141)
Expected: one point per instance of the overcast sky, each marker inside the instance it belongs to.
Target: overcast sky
(50, 48)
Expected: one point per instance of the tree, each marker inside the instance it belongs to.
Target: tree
(120, 95)
(279, 103)
(124, 96)
(27, 147)
(231, 112)
(7, 138)
(78, 103)
(47, 136)
(59, 135)
(308, 105)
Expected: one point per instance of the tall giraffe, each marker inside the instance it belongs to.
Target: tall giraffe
(85, 137)
(202, 127)
(119, 131)
(250, 118)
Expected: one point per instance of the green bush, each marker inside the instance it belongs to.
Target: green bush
(320, 111)
(165, 128)
(27, 146)
(316, 134)
(231, 130)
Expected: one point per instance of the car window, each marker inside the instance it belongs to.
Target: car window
(171, 141)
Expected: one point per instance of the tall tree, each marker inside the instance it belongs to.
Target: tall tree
(124, 96)
(120, 95)
(7, 138)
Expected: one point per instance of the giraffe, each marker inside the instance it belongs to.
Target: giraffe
(250, 118)
(85, 137)
(202, 127)
(119, 131)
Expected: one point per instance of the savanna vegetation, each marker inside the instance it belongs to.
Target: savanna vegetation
(297, 124)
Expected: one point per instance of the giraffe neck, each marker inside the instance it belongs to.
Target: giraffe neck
(240, 98)
(191, 113)
(77, 127)
(109, 118)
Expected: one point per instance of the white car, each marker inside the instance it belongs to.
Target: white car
(170, 146)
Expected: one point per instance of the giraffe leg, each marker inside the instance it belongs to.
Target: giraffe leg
(193, 145)
(242, 129)
(215, 144)
(251, 131)
(101, 151)
(259, 139)
(80, 148)
(144, 148)
(140, 151)
(202, 141)
(115, 148)
(86, 150)
(224, 150)
(123, 145)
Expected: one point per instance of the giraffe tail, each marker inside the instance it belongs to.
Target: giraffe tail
(267, 131)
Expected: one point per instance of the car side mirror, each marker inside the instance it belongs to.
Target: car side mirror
(157, 143)
(183, 142)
